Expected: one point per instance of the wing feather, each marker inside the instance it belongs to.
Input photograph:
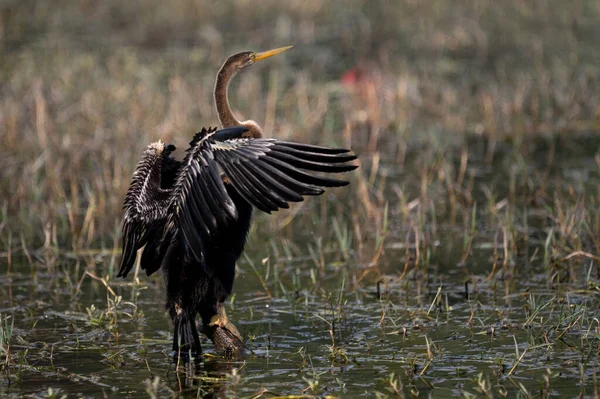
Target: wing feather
(200, 205)
(240, 181)
(145, 207)
(313, 148)
(269, 173)
(277, 186)
(310, 154)
(302, 176)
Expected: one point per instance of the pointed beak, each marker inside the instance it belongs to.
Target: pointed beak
(270, 53)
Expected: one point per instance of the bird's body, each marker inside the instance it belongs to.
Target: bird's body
(192, 216)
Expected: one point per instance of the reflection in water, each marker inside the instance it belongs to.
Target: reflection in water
(205, 375)
(211, 378)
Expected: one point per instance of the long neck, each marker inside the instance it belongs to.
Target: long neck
(226, 117)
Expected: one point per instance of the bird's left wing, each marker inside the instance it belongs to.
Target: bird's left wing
(145, 207)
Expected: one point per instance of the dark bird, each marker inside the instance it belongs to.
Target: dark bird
(192, 216)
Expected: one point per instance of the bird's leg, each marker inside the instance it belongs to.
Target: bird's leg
(195, 336)
(186, 341)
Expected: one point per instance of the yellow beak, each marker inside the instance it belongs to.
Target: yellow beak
(270, 53)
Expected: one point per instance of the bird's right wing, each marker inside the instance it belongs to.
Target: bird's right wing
(266, 172)
(200, 203)
(269, 173)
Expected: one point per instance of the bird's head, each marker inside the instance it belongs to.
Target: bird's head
(230, 68)
(239, 61)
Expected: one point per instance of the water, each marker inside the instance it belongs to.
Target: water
(289, 342)
(446, 327)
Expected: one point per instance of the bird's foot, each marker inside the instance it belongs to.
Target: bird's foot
(227, 343)
(215, 321)
(221, 320)
(226, 337)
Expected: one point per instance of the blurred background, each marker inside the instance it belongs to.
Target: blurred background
(85, 85)
(475, 209)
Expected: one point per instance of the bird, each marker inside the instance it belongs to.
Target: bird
(192, 217)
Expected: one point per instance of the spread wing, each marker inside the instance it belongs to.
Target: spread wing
(267, 173)
(270, 174)
(145, 208)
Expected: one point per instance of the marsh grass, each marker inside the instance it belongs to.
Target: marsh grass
(472, 226)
